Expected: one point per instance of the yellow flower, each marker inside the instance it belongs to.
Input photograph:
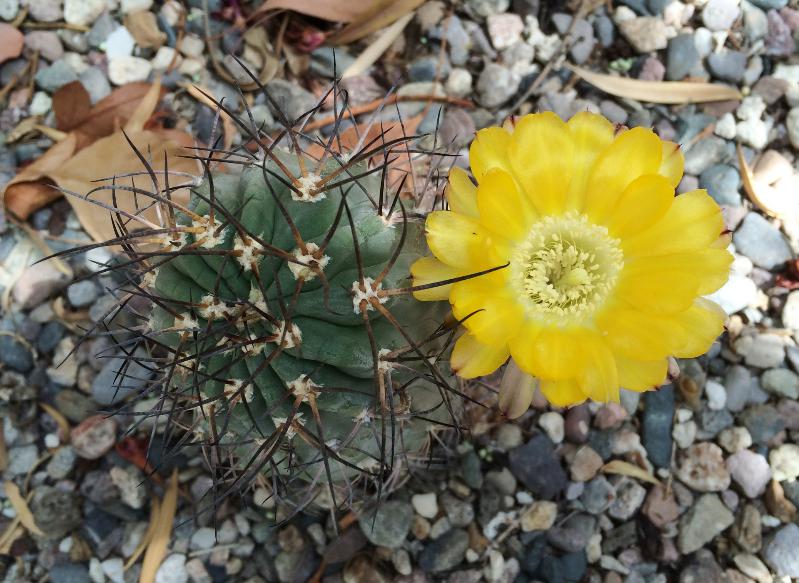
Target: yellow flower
(600, 269)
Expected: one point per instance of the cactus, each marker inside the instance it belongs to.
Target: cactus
(278, 322)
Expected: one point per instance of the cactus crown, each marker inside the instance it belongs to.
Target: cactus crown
(273, 312)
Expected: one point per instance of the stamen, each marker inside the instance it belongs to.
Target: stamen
(566, 267)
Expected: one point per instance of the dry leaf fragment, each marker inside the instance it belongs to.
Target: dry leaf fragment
(143, 27)
(63, 425)
(628, 469)
(112, 156)
(75, 169)
(658, 91)
(32, 188)
(375, 50)
(332, 10)
(382, 14)
(11, 42)
(749, 184)
(21, 508)
(71, 106)
(156, 550)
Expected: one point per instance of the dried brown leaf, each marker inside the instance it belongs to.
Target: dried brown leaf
(382, 14)
(115, 111)
(21, 508)
(627, 469)
(11, 42)
(32, 188)
(376, 49)
(112, 156)
(332, 10)
(751, 186)
(155, 509)
(156, 550)
(71, 106)
(143, 27)
(658, 91)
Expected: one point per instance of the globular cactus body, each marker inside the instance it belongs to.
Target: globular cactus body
(271, 299)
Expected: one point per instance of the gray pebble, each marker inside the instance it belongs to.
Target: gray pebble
(704, 154)
(706, 519)
(496, 85)
(388, 525)
(445, 552)
(55, 76)
(96, 83)
(780, 551)
(761, 242)
(82, 293)
(681, 57)
(722, 183)
(727, 65)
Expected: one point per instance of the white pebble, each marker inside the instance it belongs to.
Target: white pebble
(41, 104)
(552, 423)
(425, 505)
(122, 70)
(716, 395)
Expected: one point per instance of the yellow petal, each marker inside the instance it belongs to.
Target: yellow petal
(429, 270)
(671, 167)
(703, 323)
(657, 290)
(672, 282)
(548, 353)
(643, 203)
(591, 134)
(502, 208)
(562, 393)
(693, 222)
(641, 375)
(472, 359)
(490, 311)
(461, 193)
(489, 150)
(598, 378)
(540, 154)
(457, 240)
(632, 154)
(640, 335)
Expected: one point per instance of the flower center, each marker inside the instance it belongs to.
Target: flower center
(566, 267)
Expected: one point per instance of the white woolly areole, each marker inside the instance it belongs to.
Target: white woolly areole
(306, 186)
(257, 300)
(173, 240)
(289, 339)
(303, 387)
(304, 269)
(364, 417)
(186, 322)
(253, 346)
(148, 279)
(235, 389)
(213, 309)
(384, 365)
(358, 294)
(209, 236)
(249, 252)
(290, 431)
